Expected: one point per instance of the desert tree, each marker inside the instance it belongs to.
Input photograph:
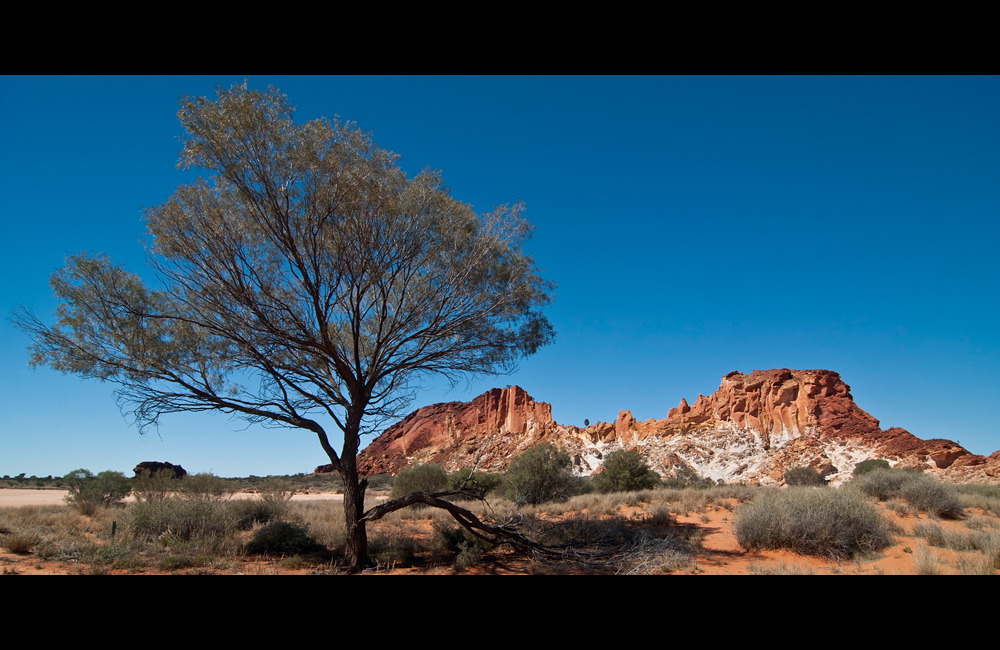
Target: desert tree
(305, 281)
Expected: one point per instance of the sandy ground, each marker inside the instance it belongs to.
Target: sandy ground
(14, 497)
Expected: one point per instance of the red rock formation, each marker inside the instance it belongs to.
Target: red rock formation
(751, 429)
(485, 432)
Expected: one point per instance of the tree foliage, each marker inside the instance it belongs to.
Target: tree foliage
(419, 477)
(625, 471)
(539, 475)
(89, 491)
(306, 280)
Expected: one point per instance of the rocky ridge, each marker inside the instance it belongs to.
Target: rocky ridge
(751, 429)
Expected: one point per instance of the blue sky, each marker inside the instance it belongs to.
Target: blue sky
(693, 225)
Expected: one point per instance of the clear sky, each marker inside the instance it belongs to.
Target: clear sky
(693, 225)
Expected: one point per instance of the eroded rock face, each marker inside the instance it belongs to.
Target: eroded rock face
(486, 433)
(751, 429)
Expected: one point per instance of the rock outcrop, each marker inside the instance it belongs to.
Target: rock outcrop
(751, 430)
(485, 433)
(152, 467)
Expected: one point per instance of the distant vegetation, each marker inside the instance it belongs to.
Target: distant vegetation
(870, 465)
(804, 476)
(625, 471)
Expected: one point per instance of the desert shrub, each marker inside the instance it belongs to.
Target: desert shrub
(480, 483)
(283, 538)
(870, 465)
(933, 497)
(804, 476)
(88, 492)
(180, 519)
(205, 486)
(468, 548)
(154, 486)
(423, 477)
(274, 496)
(19, 543)
(625, 471)
(918, 490)
(684, 477)
(391, 546)
(246, 513)
(833, 523)
(539, 475)
(376, 482)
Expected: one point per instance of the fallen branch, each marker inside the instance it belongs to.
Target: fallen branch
(505, 533)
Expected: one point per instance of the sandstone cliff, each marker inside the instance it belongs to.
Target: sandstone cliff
(751, 429)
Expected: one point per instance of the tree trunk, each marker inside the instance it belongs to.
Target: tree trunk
(354, 497)
(354, 508)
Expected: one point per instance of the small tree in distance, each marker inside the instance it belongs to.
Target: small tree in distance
(871, 465)
(88, 492)
(306, 283)
(421, 477)
(625, 471)
(539, 475)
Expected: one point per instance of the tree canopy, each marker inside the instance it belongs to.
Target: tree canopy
(305, 280)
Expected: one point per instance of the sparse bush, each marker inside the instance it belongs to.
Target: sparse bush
(205, 486)
(180, 519)
(804, 476)
(541, 474)
(625, 471)
(870, 465)
(833, 523)
(480, 483)
(391, 547)
(154, 486)
(933, 497)
(684, 477)
(283, 538)
(467, 547)
(19, 543)
(248, 512)
(918, 490)
(275, 494)
(88, 492)
(423, 477)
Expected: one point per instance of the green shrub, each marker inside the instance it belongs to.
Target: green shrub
(468, 548)
(625, 471)
(833, 523)
(392, 546)
(283, 538)
(205, 486)
(870, 465)
(88, 492)
(178, 519)
(424, 477)
(804, 476)
(246, 513)
(480, 483)
(541, 474)
(154, 486)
